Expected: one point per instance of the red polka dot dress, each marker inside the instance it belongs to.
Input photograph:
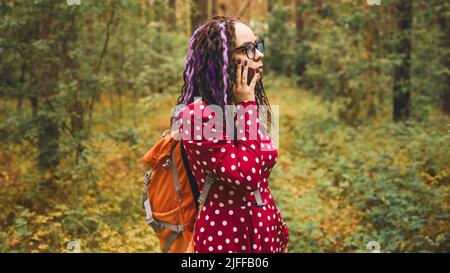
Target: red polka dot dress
(231, 221)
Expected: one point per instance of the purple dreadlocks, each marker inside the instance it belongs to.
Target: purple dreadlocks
(208, 73)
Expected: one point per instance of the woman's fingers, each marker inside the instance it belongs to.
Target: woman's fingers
(254, 80)
(244, 77)
(238, 73)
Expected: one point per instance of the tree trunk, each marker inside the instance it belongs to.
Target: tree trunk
(446, 61)
(319, 7)
(98, 67)
(299, 17)
(22, 82)
(48, 144)
(199, 13)
(171, 18)
(214, 7)
(368, 57)
(402, 82)
(271, 5)
(299, 5)
(242, 8)
(48, 137)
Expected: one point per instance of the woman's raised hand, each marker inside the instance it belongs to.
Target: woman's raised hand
(242, 91)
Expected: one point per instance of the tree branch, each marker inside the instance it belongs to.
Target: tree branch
(99, 64)
(243, 7)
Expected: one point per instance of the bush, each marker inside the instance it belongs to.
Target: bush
(393, 175)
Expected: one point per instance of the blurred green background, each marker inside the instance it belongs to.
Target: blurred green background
(364, 97)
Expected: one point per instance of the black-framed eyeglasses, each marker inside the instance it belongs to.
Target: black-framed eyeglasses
(250, 48)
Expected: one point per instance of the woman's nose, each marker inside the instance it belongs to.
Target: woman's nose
(258, 55)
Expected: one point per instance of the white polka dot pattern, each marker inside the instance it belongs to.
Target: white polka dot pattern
(230, 222)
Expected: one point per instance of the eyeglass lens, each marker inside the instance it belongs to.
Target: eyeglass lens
(251, 49)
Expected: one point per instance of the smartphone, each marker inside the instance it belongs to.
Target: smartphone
(250, 74)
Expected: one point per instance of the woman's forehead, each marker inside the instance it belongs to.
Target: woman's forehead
(243, 33)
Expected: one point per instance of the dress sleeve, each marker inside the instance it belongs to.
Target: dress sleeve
(236, 163)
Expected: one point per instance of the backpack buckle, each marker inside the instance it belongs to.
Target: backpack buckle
(147, 176)
(259, 202)
(156, 226)
(167, 163)
(259, 205)
(165, 133)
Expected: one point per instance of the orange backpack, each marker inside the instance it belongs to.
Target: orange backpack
(169, 195)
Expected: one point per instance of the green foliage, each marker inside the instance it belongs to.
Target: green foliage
(428, 70)
(346, 53)
(285, 53)
(59, 64)
(384, 173)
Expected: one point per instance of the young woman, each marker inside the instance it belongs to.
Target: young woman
(239, 214)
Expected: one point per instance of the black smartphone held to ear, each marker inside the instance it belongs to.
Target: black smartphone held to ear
(250, 74)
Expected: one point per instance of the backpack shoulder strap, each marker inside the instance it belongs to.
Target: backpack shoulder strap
(208, 184)
(192, 181)
(176, 180)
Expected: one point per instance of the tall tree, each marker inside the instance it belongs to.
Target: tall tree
(370, 34)
(402, 81)
(199, 13)
(46, 77)
(213, 7)
(171, 18)
(445, 28)
(299, 16)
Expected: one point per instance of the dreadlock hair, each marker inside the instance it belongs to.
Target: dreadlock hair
(208, 73)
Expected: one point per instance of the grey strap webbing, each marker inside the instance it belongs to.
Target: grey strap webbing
(174, 228)
(158, 225)
(174, 171)
(147, 176)
(206, 188)
(169, 243)
(258, 198)
(150, 220)
(148, 211)
(202, 198)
